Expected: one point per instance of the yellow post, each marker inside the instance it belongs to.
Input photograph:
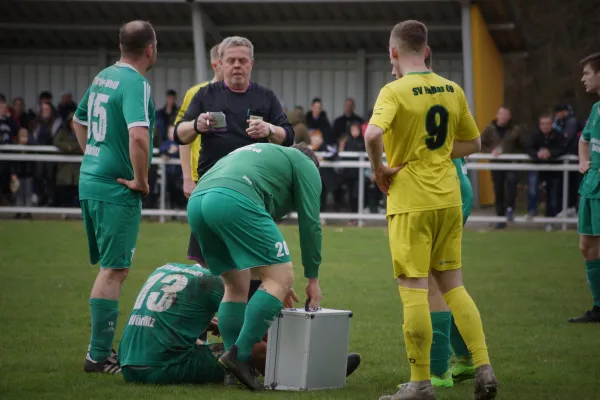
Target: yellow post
(488, 84)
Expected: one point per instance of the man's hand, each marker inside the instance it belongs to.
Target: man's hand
(290, 299)
(543, 154)
(497, 151)
(584, 166)
(384, 176)
(313, 292)
(188, 187)
(204, 122)
(135, 185)
(258, 129)
(213, 327)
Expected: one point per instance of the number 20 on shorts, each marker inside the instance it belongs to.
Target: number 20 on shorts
(282, 249)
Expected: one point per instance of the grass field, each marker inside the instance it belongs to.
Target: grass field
(526, 285)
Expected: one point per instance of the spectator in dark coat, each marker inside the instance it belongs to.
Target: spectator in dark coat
(22, 176)
(8, 126)
(567, 124)
(316, 118)
(342, 124)
(545, 146)
(165, 117)
(169, 150)
(19, 114)
(502, 137)
(355, 143)
(66, 105)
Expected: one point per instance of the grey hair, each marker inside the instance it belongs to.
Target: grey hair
(235, 41)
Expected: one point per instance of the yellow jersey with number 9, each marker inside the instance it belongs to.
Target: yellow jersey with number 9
(421, 115)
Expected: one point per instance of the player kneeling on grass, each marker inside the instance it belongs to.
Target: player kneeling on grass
(159, 345)
(232, 213)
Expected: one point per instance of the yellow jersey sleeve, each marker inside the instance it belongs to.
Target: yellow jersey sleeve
(467, 128)
(195, 145)
(385, 110)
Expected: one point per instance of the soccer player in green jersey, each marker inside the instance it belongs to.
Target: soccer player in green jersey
(160, 342)
(589, 190)
(232, 212)
(114, 124)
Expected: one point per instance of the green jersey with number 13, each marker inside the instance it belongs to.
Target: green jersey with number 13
(117, 100)
(175, 305)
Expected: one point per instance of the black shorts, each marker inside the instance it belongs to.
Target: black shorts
(194, 251)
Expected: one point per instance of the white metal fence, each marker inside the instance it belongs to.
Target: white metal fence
(520, 162)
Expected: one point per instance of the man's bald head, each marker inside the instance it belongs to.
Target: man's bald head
(135, 37)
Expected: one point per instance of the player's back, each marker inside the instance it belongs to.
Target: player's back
(426, 113)
(265, 173)
(174, 307)
(118, 99)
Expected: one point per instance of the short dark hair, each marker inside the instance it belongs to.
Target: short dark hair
(308, 151)
(134, 36)
(410, 35)
(545, 115)
(316, 100)
(171, 92)
(593, 61)
(429, 59)
(45, 95)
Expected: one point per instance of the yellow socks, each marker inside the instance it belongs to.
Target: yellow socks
(418, 333)
(467, 319)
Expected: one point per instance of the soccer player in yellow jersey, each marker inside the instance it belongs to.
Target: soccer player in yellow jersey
(424, 122)
(189, 154)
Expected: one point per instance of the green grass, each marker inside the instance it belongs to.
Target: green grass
(526, 285)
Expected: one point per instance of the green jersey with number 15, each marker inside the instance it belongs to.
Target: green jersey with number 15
(117, 100)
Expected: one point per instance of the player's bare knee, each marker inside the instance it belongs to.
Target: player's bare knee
(236, 284)
(113, 275)
(447, 280)
(589, 246)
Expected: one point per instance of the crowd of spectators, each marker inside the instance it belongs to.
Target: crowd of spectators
(28, 183)
(554, 136)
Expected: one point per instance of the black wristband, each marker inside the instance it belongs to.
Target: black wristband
(196, 126)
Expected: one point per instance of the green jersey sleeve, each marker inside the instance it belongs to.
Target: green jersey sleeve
(307, 200)
(136, 104)
(81, 114)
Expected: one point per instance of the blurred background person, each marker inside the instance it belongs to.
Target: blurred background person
(501, 136)
(22, 177)
(67, 173)
(545, 146)
(169, 150)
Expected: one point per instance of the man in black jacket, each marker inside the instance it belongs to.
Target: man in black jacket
(545, 146)
(253, 114)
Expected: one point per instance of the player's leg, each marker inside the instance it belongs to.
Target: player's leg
(441, 321)
(589, 245)
(114, 229)
(233, 306)
(446, 269)
(411, 240)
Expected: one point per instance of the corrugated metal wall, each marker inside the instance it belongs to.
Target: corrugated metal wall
(294, 79)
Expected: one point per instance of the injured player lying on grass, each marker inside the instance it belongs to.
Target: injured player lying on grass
(160, 342)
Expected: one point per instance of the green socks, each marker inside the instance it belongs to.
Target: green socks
(440, 347)
(261, 312)
(458, 344)
(593, 277)
(104, 323)
(231, 320)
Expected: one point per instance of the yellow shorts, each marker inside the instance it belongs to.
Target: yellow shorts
(425, 239)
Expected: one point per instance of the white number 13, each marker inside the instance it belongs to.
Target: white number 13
(96, 110)
(282, 249)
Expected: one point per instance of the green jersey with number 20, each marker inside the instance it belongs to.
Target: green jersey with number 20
(118, 99)
(174, 307)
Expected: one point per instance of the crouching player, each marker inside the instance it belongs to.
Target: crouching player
(232, 213)
(159, 343)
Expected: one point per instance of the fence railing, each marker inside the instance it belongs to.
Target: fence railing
(359, 160)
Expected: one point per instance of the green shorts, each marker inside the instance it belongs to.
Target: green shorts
(112, 231)
(199, 367)
(589, 217)
(466, 210)
(234, 232)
